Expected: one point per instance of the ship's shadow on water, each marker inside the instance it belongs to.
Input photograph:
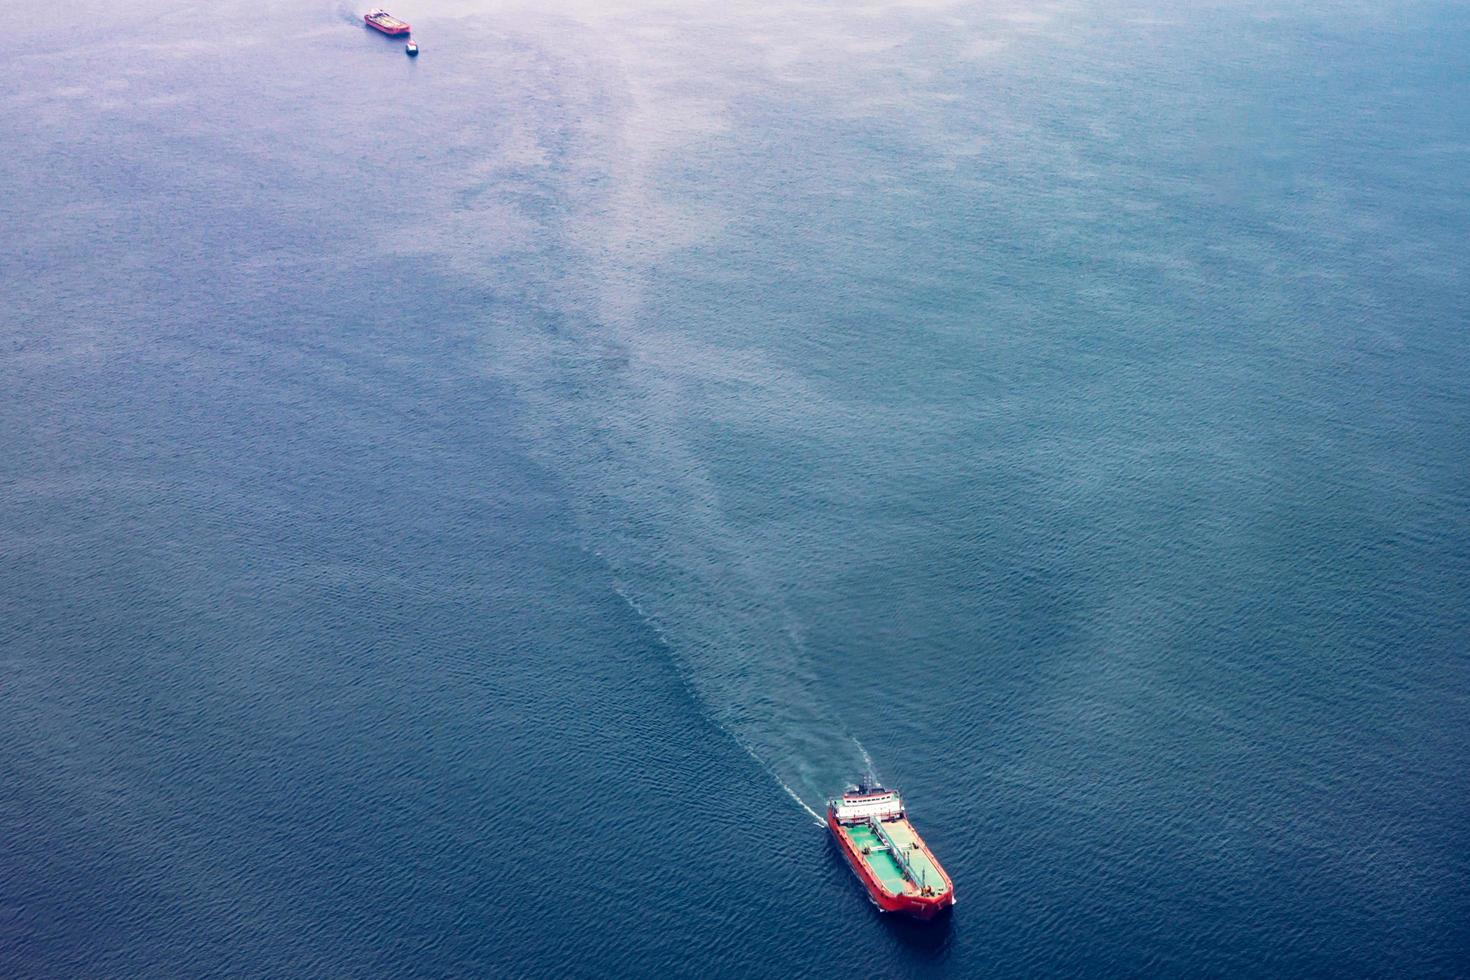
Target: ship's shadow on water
(930, 940)
(927, 939)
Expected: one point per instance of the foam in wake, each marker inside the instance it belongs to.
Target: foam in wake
(623, 437)
(625, 405)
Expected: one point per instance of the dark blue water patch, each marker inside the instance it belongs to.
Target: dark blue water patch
(288, 642)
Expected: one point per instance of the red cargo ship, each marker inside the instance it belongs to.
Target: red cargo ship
(380, 20)
(887, 853)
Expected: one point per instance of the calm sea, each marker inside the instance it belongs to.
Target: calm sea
(460, 516)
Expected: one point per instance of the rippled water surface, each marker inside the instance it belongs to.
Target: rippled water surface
(461, 516)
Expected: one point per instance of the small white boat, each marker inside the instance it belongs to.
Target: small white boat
(412, 48)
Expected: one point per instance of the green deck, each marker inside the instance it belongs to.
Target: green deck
(903, 835)
(885, 865)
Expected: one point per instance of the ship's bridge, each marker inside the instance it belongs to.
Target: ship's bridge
(868, 804)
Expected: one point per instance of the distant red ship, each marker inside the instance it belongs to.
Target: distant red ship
(381, 20)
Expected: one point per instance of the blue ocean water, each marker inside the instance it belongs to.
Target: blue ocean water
(459, 516)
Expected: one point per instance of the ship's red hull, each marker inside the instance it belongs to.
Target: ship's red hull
(390, 31)
(918, 906)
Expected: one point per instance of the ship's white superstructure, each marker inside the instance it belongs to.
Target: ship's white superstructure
(878, 804)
